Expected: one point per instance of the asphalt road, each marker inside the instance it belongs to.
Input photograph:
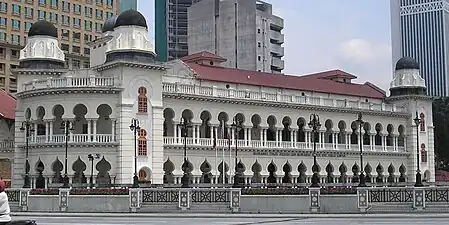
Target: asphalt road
(234, 221)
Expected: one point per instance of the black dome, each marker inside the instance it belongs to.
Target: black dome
(131, 18)
(44, 28)
(407, 63)
(109, 24)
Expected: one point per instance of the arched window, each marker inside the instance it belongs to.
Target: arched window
(142, 175)
(142, 149)
(423, 153)
(142, 100)
(422, 125)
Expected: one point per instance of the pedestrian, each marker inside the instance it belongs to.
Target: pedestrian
(4, 205)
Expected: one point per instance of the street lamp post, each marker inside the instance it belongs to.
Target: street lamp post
(315, 125)
(91, 159)
(418, 182)
(360, 122)
(67, 126)
(185, 180)
(237, 126)
(135, 127)
(27, 126)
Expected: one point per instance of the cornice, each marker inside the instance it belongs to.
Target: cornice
(35, 72)
(68, 90)
(156, 66)
(408, 97)
(282, 105)
(70, 145)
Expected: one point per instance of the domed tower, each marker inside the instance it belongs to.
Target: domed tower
(408, 91)
(407, 79)
(130, 40)
(109, 26)
(42, 49)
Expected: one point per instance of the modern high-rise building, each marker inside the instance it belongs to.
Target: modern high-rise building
(127, 5)
(419, 30)
(78, 22)
(245, 32)
(171, 28)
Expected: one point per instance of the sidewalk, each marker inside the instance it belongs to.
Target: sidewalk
(237, 215)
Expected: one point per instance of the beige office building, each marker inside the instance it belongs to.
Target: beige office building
(78, 22)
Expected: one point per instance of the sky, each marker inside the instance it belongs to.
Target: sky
(350, 35)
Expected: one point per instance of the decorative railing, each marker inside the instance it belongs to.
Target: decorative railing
(160, 195)
(277, 97)
(440, 194)
(173, 141)
(13, 195)
(72, 138)
(391, 194)
(6, 145)
(69, 82)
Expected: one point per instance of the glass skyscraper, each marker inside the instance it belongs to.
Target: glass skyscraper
(127, 4)
(418, 30)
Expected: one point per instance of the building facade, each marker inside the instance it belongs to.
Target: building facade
(78, 22)
(7, 116)
(245, 32)
(263, 117)
(171, 28)
(127, 5)
(418, 30)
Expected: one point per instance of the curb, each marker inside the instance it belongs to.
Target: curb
(238, 215)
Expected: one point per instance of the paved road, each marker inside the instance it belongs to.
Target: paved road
(235, 221)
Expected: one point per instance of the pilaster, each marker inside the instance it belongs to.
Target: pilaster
(158, 146)
(125, 154)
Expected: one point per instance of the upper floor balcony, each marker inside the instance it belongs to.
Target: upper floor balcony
(277, 49)
(277, 36)
(277, 22)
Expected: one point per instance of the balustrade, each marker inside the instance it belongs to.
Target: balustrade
(6, 145)
(174, 141)
(277, 97)
(64, 82)
(72, 138)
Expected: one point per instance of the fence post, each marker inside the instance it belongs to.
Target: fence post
(184, 198)
(363, 198)
(23, 201)
(314, 196)
(419, 198)
(64, 199)
(235, 199)
(135, 197)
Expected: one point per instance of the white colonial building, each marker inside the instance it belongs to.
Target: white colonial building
(126, 81)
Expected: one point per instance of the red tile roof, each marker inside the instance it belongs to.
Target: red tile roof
(7, 106)
(204, 55)
(318, 82)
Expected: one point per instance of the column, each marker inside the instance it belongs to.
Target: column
(307, 134)
(261, 136)
(278, 137)
(395, 143)
(232, 137)
(249, 136)
(384, 142)
(372, 142)
(212, 131)
(175, 133)
(89, 130)
(335, 140)
(245, 136)
(35, 132)
(179, 135)
(113, 131)
(47, 128)
(292, 141)
(50, 131)
(194, 134)
(320, 139)
(94, 127)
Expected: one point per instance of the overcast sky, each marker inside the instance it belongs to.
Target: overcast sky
(351, 35)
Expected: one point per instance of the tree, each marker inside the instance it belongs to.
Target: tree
(440, 109)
